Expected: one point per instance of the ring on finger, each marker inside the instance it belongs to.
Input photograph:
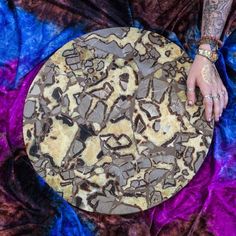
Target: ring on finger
(208, 96)
(190, 89)
(216, 97)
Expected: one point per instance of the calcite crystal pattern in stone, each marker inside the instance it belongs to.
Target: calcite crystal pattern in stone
(106, 121)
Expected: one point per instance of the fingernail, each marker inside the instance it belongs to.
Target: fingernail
(190, 103)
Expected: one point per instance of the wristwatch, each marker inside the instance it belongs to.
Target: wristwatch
(210, 55)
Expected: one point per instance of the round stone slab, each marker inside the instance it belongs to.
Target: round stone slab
(106, 121)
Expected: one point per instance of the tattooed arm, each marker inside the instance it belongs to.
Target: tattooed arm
(203, 72)
(215, 13)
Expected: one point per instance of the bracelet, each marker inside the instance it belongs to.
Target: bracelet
(210, 55)
(213, 41)
(213, 45)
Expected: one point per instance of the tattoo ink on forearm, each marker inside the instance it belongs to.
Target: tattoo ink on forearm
(215, 13)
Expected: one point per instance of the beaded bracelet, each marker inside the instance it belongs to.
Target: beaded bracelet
(213, 41)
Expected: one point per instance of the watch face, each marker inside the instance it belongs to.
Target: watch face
(106, 121)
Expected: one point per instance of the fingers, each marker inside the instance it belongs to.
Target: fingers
(225, 95)
(191, 90)
(213, 101)
(217, 106)
(221, 99)
(206, 77)
(208, 104)
(221, 91)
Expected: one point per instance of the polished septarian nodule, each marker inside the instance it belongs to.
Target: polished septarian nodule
(106, 122)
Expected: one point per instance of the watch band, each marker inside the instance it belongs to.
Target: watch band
(210, 55)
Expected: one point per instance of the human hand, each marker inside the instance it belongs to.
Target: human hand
(204, 74)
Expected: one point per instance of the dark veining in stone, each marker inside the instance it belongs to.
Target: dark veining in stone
(124, 148)
(65, 119)
(57, 94)
(85, 132)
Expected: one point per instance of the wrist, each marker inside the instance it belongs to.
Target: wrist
(205, 46)
(202, 58)
(211, 41)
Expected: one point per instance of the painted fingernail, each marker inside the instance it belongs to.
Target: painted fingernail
(190, 103)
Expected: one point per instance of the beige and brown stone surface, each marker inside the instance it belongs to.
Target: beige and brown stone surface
(106, 121)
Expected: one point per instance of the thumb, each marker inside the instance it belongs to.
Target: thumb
(191, 85)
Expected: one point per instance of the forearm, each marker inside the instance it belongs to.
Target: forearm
(215, 13)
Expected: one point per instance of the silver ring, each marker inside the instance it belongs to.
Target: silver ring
(209, 96)
(190, 89)
(216, 97)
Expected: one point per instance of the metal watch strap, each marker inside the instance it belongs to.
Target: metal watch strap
(210, 55)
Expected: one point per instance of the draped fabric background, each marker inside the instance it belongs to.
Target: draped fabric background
(30, 31)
